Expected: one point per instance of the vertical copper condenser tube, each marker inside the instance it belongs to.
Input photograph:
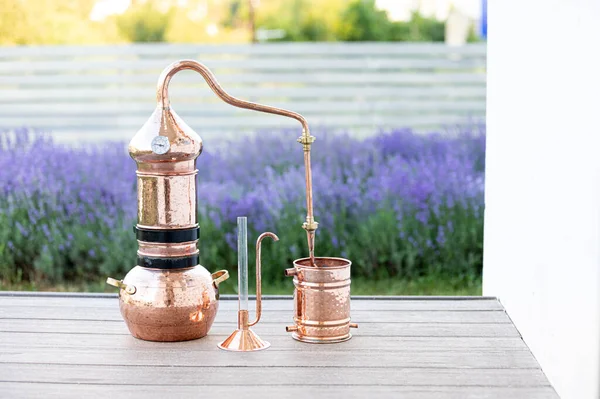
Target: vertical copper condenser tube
(310, 225)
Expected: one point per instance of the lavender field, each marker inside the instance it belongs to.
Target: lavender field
(399, 205)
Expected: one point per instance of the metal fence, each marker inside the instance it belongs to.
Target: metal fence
(108, 92)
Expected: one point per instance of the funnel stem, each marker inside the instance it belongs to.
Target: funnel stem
(243, 263)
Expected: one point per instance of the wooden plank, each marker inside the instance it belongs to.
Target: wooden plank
(199, 92)
(340, 77)
(407, 304)
(246, 63)
(243, 376)
(353, 87)
(394, 353)
(223, 118)
(233, 297)
(277, 49)
(213, 357)
(278, 343)
(264, 328)
(201, 124)
(49, 390)
(274, 316)
(200, 108)
(387, 78)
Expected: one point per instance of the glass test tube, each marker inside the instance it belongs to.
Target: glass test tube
(243, 262)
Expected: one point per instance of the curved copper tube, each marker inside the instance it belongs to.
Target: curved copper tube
(167, 74)
(258, 275)
(162, 95)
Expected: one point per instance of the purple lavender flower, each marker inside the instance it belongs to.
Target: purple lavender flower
(386, 200)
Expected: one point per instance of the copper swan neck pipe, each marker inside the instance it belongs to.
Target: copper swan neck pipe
(259, 275)
(167, 74)
(306, 139)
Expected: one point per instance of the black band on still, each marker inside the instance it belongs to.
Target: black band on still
(168, 263)
(167, 236)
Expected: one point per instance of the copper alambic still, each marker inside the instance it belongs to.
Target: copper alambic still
(168, 296)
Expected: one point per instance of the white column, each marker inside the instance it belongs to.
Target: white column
(542, 221)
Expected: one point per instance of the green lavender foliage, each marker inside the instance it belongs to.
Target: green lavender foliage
(399, 204)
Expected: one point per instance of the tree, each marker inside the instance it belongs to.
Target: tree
(143, 22)
(13, 22)
(51, 22)
(209, 21)
(301, 20)
(418, 29)
(362, 21)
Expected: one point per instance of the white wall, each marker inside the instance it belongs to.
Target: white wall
(542, 226)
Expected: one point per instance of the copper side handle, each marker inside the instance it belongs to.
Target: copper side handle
(128, 288)
(162, 95)
(219, 277)
(258, 275)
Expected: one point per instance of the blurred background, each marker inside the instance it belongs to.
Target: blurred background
(394, 91)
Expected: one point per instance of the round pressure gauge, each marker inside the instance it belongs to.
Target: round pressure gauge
(160, 145)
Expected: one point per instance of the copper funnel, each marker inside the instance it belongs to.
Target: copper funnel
(243, 339)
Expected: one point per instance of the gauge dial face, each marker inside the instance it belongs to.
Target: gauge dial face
(160, 145)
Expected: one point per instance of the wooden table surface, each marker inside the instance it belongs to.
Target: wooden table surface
(61, 345)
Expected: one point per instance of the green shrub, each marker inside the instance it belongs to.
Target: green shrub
(143, 22)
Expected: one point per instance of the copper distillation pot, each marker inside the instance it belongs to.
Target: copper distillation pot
(168, 296)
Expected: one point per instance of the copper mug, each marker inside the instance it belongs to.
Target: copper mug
(321, 300)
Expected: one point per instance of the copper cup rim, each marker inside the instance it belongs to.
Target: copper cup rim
(346, 263)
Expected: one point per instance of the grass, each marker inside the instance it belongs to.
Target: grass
(427, 285)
